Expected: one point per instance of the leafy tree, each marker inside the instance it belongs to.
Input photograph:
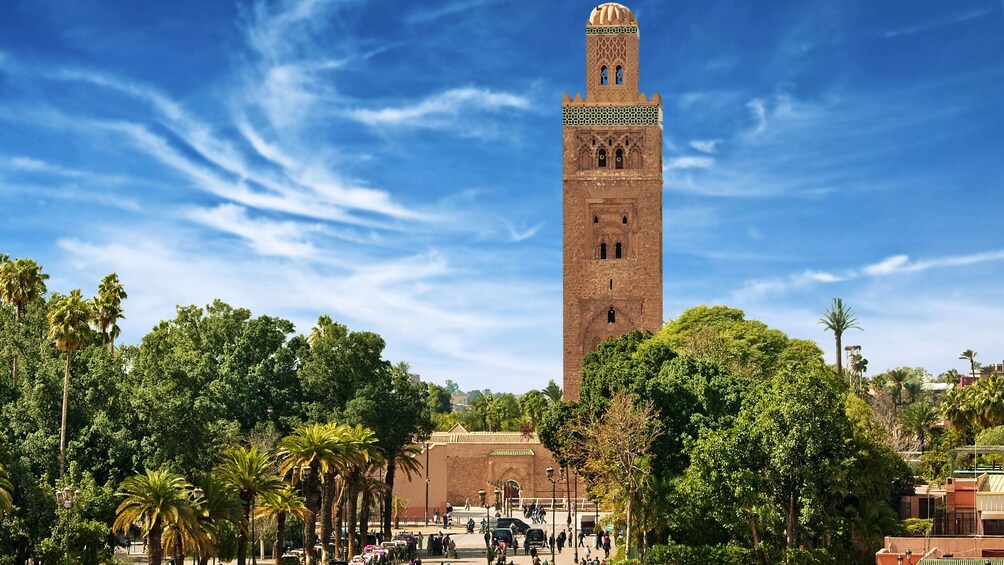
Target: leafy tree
(619, 448)
(5, 490)
(154, 499)
(108, 309)
(21, 283)
(970, 355)
(398, 429)
(337, 364)
(439, 399)
(69, 327)
(838, 319)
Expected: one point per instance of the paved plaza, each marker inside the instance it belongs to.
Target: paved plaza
(470, 547)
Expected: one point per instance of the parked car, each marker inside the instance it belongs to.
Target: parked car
(521, 526)
(503, 535)
(535, 537)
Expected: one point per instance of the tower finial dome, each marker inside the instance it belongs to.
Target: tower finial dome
(611, 14)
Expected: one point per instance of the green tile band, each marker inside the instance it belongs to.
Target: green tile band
(611, 116)
(610, 30)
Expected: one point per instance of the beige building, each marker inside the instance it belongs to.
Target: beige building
(460, 463)
(612, 196)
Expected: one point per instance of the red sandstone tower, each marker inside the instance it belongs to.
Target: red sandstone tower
(612, 194)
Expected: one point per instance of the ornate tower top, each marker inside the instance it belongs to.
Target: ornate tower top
(611, 14)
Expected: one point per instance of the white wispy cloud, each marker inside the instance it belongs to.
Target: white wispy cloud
(267, 237)
(893, 265)
(705, 145)
(423, 14)
(439, 110)
(936, 24)
(759, 110)
(518, 235)
(690, 162)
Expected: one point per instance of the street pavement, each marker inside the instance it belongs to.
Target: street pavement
(471, 547)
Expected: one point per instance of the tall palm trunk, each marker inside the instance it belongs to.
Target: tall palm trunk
(62, 427)
(336, 512)
(154, 549)
(353, 506)
(313, 504)
(242, 532)
(327, 488)
(364, 518)
(840, 363)
(280, 537)
(388, 497)
(178, 548)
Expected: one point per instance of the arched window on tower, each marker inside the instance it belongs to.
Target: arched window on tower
(624, 220)
(604, 79)
(611, 316)
(620, 75)
(596, 219)
(617, 250)
(602, 157)
(603, 251)
(619, 158)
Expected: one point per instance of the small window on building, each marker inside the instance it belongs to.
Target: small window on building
(620, 75)
(603, 75)
(611, 284)
(602, 158)
(619, 158)
(603, 251)
(611, 316)
(624, 220)
(617, 250)
(596, 219)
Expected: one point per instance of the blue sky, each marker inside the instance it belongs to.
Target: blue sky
(397, 166)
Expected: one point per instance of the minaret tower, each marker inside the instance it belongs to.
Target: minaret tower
(612, 196)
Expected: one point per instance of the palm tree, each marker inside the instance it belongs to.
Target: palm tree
(154, 499)
(838, 319)
(897, 380)
(278, 506)
(406, 461)
(552, 391)
(533, 404)
(957, 407)
(6, 503)
(358, 448)
(303, 455)
(21, 283)
(970, 356)
(217, 505)
(988, 398)
(914, 388)
(69, 327)
(250, 473)
(108, 309)
(917, 419)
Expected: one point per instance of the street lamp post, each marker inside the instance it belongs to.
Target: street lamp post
(426, 483)
(483, 501)
(554, 520)
(575, 519)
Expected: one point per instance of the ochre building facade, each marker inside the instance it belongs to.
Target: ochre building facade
(612, 196)
(460, 463)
